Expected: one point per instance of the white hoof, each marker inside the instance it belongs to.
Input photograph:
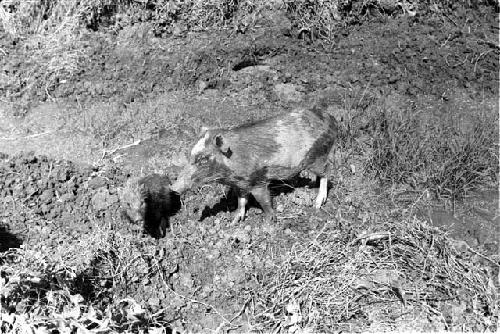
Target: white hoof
(322, 194)
(240, 216)
(320, 200)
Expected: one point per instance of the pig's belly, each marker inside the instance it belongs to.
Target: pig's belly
(282, 172)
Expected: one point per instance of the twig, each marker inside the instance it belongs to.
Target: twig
(48, 94)
(449, 18)
(104, 153)
(364, 92)
(243, 308)
(427, 256)
(492, 44)
(482, 255)
(369, 238)
(446, 41)
(479, 57)
(457, 64)
(26, 137)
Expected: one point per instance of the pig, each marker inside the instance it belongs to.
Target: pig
(249, 156)
(150, 201)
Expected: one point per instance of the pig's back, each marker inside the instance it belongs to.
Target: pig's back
(279, 147)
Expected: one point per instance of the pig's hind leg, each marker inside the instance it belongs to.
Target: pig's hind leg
(263, 197)
(322, 193)
(322, 169)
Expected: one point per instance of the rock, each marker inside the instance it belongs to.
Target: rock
(236, 275)
(102, 199)
(257, 69)
(277, 20)
(45, 208)
(18, 191)
(242, 236)
(154, 302)
(31, 190)
(63, 175)
(97, 182)
(54, 212)
(46, 196)
(186, 280)
(66, 197)
(289, 92)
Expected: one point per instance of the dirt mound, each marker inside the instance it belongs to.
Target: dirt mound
(52, 203)
(432, 52)
(37, 189)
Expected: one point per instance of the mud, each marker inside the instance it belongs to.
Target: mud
(433, 53)
(46, 201)
(47, 190)
(203, 258)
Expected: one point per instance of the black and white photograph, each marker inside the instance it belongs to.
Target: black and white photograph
(249, 166)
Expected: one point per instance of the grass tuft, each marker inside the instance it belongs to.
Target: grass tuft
(403, 271)
(449, 152)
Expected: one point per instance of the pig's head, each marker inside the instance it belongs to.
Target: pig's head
(208, 162)
(133, 198)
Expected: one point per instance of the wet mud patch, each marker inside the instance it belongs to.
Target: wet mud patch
(475, 223)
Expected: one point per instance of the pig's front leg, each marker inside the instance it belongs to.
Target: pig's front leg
(241, 211)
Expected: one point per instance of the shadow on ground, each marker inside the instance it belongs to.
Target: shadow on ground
(8, 240)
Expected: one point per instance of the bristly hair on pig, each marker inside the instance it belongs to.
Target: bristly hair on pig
(249, 156)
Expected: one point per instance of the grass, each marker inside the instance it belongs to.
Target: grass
(450, 149)
(71, 284)
(396, 274)
(399, 272)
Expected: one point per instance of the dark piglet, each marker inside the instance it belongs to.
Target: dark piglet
(248, 157)
(150, 201)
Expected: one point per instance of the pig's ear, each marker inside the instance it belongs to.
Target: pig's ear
(203, 130)
(143, 192)
(219, 142)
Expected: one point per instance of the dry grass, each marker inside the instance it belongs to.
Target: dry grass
(402, 273)
(66, 285)
(52, 34)
(403, 268)
(314, 19)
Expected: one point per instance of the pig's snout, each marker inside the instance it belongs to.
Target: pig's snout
(184, 180)
(135, 216)
(179, 186)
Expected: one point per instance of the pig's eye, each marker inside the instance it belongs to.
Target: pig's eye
(201, 159)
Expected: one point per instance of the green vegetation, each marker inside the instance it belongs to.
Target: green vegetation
(449, 150)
